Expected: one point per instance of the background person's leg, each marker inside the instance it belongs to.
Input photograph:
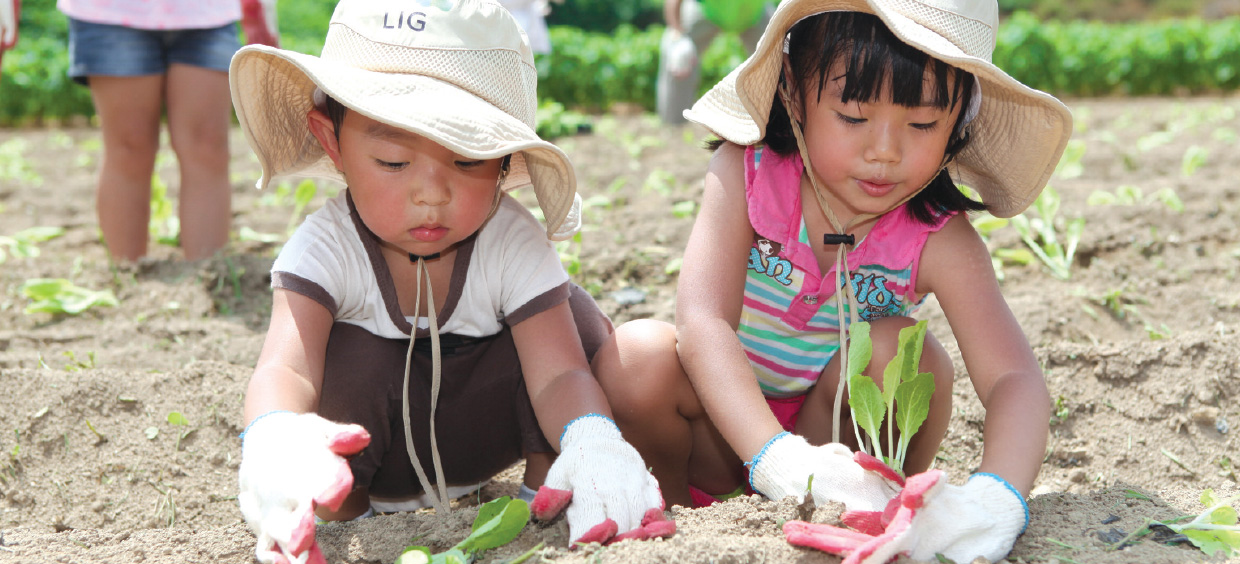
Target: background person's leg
(129, 109)
(199, 111)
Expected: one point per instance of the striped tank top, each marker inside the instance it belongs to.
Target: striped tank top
(788, 325)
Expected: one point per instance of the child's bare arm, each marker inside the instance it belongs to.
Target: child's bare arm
(708, 306)
(289, 372)
(956, 266)
(557, 376)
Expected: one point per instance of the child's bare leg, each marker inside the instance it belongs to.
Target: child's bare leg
(354, 506)
(536, 466)
(815, 421)
(659, 413)
(198, 121)
(129, 108)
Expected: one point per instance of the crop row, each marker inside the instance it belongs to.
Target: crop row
(594, 71)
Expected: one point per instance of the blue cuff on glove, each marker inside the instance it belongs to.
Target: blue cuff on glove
(1014, 491)
(570, 423)
(753, 463)
(247, 427)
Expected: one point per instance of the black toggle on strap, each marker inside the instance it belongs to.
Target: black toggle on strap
(838, 239)
(414, 258)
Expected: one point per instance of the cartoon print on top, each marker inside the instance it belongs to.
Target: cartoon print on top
(764, 257)
(875, 299)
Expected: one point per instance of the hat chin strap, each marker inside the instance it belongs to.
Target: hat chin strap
(841, 239)
(439, 498)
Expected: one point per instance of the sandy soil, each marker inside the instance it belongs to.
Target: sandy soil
(1139, 348)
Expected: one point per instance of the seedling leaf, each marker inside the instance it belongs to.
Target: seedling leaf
(912, 407)
(57, 295)
(861, 348)
(500, 528)
(866, 402)
(176, 418)
(414, 555)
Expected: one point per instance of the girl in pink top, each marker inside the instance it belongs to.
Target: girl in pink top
(142, 59)
(832, 198)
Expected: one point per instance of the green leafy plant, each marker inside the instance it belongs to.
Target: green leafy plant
(24, 242)
(1127, 195)
(1215, 529)
(1056, 250)
(1194, 158)
(164, 224)
(904, 399)
(985, 224)
(498, 522)
(14, 167)
(57, 295)
(305, 192)
(554, 120)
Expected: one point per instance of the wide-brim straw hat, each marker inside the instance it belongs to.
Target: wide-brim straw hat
(1016, 139)
(460, 73)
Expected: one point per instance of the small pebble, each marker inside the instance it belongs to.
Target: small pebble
(1077, 476)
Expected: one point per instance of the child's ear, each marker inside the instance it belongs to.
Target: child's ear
(324, 130)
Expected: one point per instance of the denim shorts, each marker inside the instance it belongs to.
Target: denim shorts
(115, 50)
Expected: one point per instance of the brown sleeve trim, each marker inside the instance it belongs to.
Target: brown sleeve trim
(539, 304)
(294, 283)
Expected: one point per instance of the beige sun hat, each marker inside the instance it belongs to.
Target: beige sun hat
(458, 72)
(1016, 139)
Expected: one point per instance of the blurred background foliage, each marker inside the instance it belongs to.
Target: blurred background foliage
(609, 53)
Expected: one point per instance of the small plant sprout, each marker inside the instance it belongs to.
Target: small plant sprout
(498, 522)
(23, 244)
(305, 192)
(904, 399)
(179, 420)
(164, 224)
(1215, 529)
(985, 224)
(57, 295)
(1070, 163)
(1040, 234)
(1194, 158)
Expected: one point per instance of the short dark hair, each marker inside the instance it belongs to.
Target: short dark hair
(874, 58)
(335, 111)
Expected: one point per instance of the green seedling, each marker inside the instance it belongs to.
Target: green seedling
(305, 192)
(14, 167)
(57, 295)
(570, 254)
(1070, 163)
(76, 364)
(1127, 195)
(23, 244)
(685, 209)
(1194, 158)
(1213, 530)
(985, 224)
(248, 234)
(1062, 411)
(554, 120)
(498, 522)
(659, 181)
(904, 400)
(1040, 235)
(164, 225)
(179, 420)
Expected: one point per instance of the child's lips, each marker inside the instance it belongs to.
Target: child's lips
(875, 187)
(428, 233)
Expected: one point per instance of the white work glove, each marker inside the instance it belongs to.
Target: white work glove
(291, 463)
(258, 21)
(9, 12)
(607, 483)
(859, 481)
(981, 518)
(680, 53)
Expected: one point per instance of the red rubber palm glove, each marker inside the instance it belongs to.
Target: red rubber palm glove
(258, 21)
(290, 464)
(858, 480)
(605, 485)
(931, 516)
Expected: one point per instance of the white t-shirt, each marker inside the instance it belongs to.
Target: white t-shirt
(510, 272)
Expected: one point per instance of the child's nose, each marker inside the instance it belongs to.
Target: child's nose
(431, 188)
(884, 145)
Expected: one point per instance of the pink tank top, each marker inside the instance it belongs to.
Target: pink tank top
(789, 326)
(154, 14)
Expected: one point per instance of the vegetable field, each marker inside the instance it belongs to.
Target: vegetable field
(122, 386)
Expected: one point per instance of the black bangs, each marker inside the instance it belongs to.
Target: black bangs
(872, 58)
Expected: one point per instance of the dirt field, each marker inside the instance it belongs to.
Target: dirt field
(1139, 346)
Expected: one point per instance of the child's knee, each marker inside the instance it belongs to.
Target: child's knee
(638, 364)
